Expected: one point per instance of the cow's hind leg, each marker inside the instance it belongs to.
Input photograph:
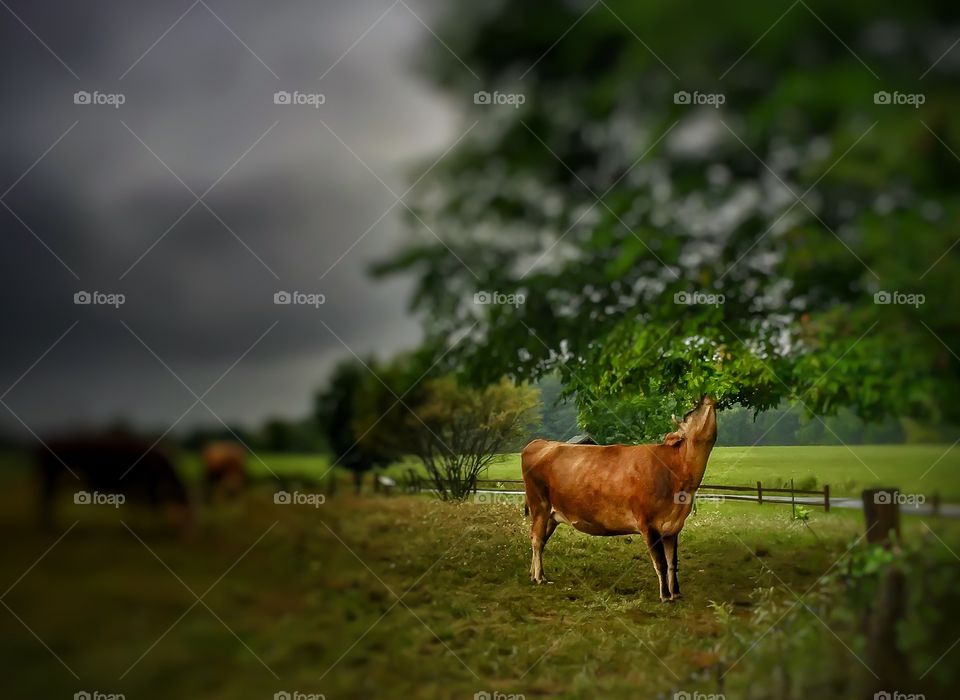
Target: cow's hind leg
(543, 526)
(659, 559)
(671, 549)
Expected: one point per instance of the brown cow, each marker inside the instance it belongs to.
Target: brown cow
(621, 490)
(224, 468)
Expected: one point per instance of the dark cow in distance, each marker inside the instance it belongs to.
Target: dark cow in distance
(110, 464)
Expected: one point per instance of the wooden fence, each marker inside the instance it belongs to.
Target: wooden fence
(746, 493)
(738, 493)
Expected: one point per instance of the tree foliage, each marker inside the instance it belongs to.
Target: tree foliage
(336, 411)
(463, 428)
(453, 429)
(608, 203)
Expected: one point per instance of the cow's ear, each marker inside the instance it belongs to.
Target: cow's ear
(673, 439)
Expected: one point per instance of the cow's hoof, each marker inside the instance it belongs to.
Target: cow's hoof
(665, 599)
(676, 596)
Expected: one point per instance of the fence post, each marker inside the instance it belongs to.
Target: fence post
(759, 494)
(881, 510)
(793, 500)
(826, 498)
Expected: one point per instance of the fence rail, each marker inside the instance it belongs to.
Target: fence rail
(754, 493)
(741, 493)
(745, 493)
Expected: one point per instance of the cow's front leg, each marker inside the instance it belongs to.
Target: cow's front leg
(540, 531)
(671, 549)
(659, 559)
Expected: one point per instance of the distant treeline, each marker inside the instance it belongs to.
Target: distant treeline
(558, 421)
(276, 435)
(790, 426)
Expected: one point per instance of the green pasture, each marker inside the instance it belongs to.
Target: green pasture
(409, 597)
(913, 468)
(925, 469)
(313, 606)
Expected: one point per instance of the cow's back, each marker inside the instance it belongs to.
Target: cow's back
(533, 455)
(552, 469)
(600, 489)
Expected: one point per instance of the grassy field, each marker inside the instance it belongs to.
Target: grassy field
(913, 468)
(409, 597)
(406, 596)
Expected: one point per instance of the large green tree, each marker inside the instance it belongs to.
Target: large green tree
(336, 409)
(779, 164)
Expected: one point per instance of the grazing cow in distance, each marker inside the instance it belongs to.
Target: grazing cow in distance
(111, 464)
(224, 468)
(621, 490)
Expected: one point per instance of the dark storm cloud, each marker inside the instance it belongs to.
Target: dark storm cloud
(112, 200)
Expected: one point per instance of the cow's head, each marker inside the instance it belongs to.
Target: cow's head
(698, 425)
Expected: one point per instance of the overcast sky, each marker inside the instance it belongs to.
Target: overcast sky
(98, 197)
